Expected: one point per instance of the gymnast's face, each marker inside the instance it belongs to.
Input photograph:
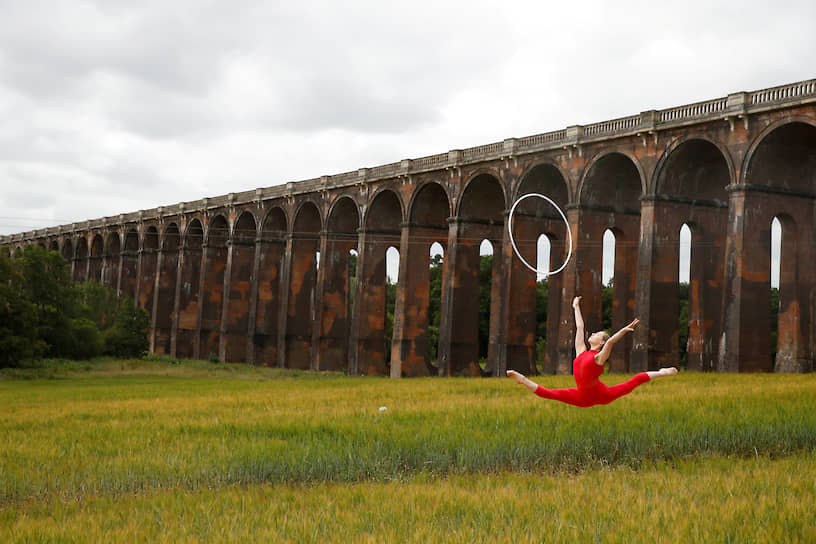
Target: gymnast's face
(598, 339)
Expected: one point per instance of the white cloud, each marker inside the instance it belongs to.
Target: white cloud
(110, 107)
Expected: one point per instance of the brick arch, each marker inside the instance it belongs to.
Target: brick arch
(113, 245)
(150, 239)
(275, 224)
(694, 168)
(784, 157)
(97, 246)
(171, 237)
(217, 231)
(614, 181)
(68, 249)
(245, 228)
(483, 198)
(385, 211)
(430, 205)
(307, 219)
(131, 240)
(194, 234)
(344, 217)
(96, 264)
(53, 245)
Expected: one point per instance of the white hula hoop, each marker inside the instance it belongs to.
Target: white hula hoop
(513, 242)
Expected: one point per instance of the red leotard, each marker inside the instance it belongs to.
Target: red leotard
(591, 390)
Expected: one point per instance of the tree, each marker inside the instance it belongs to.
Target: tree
(44, 313)
(18, 317)
(434, 305)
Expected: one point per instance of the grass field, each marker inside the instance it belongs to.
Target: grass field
(126, 451)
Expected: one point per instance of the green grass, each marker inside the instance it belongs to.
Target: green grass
(194, 447)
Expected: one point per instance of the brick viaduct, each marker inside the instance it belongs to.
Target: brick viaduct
(238, 275)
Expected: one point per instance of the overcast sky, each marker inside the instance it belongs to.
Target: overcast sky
(111, 106)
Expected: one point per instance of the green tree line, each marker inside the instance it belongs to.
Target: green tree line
(44, 313)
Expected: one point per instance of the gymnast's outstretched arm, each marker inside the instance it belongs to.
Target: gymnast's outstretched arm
(607, 347)
(580, 345)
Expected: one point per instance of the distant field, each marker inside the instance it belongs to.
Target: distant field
(158, 450)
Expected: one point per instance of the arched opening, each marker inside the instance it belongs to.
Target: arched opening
(543, 262)
(485, 299)
(353, 256)
(776, 263)
(684, 277)
(392, 263)
(607, 280)
(788, 348)
(436, 273)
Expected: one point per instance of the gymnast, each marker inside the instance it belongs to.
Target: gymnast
(588, 366)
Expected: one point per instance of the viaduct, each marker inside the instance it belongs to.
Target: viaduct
(263, 276)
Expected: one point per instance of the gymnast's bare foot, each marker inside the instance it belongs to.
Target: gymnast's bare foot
(521, 380)
(663, 373)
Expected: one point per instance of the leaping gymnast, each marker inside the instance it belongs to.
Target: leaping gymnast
(588, 366)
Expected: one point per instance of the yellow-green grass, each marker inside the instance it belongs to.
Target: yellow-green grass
(201, 450)
(711, 500)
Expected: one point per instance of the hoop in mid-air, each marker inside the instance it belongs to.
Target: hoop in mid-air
(513, 242)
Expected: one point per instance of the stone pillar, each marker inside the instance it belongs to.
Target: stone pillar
(516, 348)
(459, 319)
(95, 265)
(656, 339)
(797, 291)
(409, 351)
(297, 320)
(588, 255)
(565, 288)
(624, 287)
(367, 353)
(264, 324)
(213, 266)
(706, 288)
(238, 286)
(745, 340)
(164, 310)
(330, 347)
(147, 280)
(129, 275)
(187, 302)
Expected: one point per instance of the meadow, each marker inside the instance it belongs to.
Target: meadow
(158, 450)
